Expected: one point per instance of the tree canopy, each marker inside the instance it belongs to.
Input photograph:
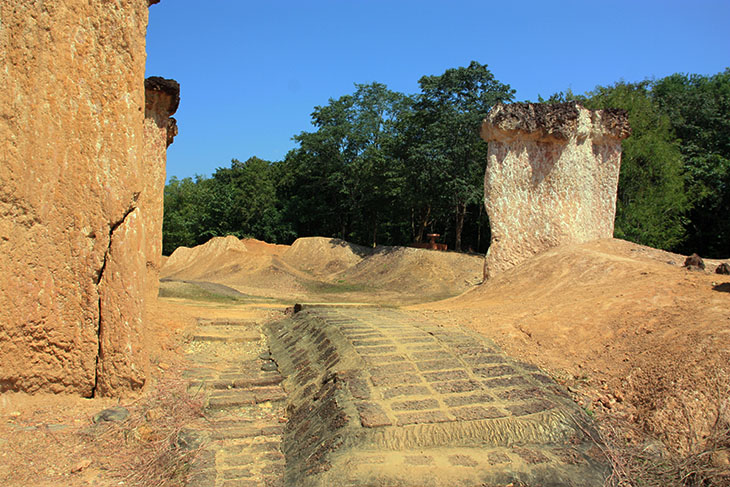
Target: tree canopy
(383, 167)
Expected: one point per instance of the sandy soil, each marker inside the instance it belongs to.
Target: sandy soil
(328, 268)
(51, 440)
(626, 328)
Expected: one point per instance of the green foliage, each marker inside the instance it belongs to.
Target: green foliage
(381, 167)
(342, 180)
(240, 200)
(248, 191)
(562, 97)
(183, 222)
(450, 110)
(651, 199)
(699, 111)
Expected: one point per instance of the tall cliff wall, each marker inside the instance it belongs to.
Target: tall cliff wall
(72, 172)
(551, 178)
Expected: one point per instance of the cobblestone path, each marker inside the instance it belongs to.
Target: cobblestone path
(244, 407)
(378, 397)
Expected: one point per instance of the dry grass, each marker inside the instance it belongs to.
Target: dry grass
(650, 463)
(146, 445)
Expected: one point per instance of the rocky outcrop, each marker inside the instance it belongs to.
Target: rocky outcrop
(73, 177)
(551, 178)
(162, 97)
(694, 263)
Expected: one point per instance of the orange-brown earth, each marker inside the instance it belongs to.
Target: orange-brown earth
(325, 269)
(625, 326)
(631, 332)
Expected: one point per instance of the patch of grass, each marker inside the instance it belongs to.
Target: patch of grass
(197, 295)
(196, 292)
(335, 287)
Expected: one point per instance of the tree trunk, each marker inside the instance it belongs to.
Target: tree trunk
(413, 224)
(460, 214)
(479, 229)
(375, 233)
(423, 224)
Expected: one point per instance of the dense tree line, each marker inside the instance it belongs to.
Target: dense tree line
(382, 167)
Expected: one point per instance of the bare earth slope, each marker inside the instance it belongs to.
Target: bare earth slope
(626, 323)
(330, 268)
(250, 266)
(418, 270)
(323, 256)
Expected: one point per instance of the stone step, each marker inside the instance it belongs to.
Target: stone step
(244, 406)
(236, 383)
(433, 402)
(235, 398)
(215, 336)
(238, 430)
(228, 322)
(517, 465)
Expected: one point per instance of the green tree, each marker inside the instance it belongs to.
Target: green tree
(343, 180)
(247, 191)
(698, 108)
(452, 107)
(651, 201)
(183, 222)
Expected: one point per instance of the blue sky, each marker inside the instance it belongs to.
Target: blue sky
(252, 71)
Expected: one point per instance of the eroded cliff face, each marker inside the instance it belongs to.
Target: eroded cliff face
(72, 175)
(551, 178)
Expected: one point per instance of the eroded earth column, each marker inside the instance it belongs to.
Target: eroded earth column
(551, 178)
(162, 98)
(72, 178)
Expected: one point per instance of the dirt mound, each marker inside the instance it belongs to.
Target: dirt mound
(249, 266)
(259, 247)
(401, 269)
(417, 270)
(203, 258)
(625, 322)
(321, 256)
(319, 268)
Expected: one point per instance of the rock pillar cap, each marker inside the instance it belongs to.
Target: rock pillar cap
(553, 122)
(169, 87)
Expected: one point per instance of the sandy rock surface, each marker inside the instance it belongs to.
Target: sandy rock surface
(73, 231)
(551, 178)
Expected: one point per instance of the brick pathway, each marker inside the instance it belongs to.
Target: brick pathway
(378, 397)
(244, 407)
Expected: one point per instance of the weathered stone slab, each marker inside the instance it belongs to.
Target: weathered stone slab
(419, 422)
(551, 178)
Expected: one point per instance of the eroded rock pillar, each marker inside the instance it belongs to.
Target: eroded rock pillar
(73, 175)
(162, 97)
(551, 178)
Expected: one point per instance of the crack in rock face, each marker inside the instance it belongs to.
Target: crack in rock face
(551, 178)
(73, 303)
(101, 321)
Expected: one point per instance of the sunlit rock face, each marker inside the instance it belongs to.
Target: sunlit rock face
(551, 179)
(162, 97)
(73, 188)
